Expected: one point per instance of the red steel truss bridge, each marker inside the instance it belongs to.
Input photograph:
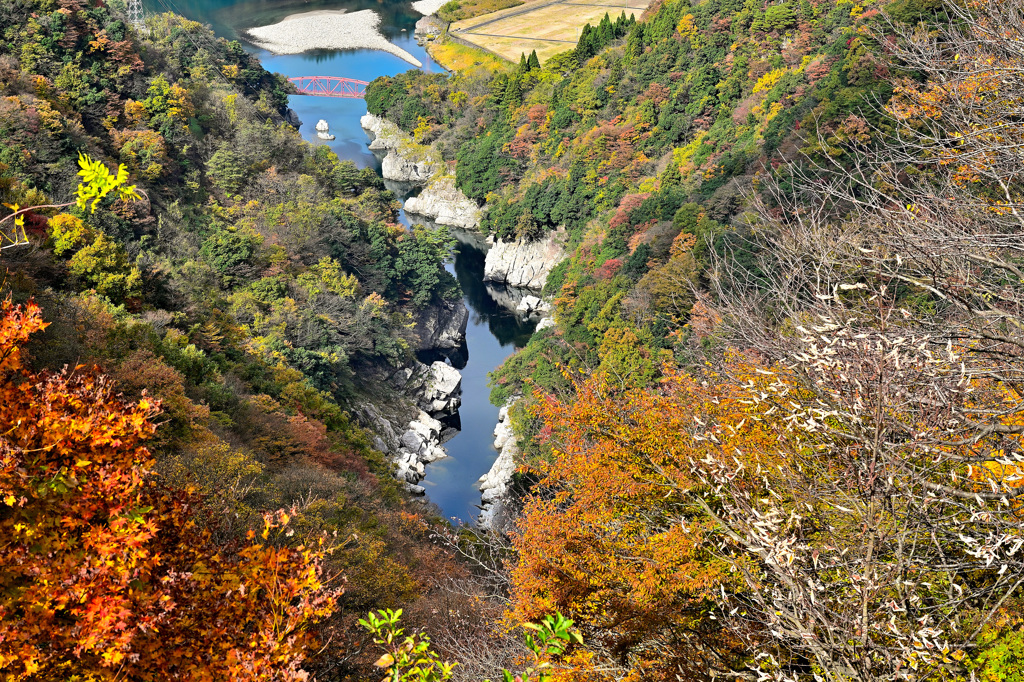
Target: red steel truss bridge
(330, 86)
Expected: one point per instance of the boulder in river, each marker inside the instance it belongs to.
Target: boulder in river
(443, 391)
(420, 445)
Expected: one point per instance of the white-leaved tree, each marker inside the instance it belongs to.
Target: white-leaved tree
(886, 540)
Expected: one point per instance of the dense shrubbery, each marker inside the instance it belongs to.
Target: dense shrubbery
(671, 159)
(258, 289)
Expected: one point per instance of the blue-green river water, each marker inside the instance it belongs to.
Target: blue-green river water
(493, 333)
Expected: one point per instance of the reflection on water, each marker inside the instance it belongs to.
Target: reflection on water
(493, 332)
(229, 17)
(507, 327)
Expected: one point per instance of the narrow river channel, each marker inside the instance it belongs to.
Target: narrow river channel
(493, 332)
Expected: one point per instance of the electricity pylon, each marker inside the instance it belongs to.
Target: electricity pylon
(135, 14)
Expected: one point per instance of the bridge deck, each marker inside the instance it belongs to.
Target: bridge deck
(330, 86)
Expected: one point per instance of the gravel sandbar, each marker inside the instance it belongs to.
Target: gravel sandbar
(327, 30)
(428, 7)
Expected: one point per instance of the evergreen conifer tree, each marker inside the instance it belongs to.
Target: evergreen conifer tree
(513, 91)
(585, 47)
(605, 32)
(621, 25)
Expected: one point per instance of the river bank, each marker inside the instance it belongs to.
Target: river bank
(327, 30)
(506, 278)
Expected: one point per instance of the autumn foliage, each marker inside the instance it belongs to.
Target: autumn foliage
(618, 543)
(105, 574)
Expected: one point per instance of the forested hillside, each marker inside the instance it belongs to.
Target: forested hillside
(254, 291)
(629, 147)
(774, 434)
(775, 431)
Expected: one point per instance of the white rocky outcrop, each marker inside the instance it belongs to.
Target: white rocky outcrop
(406, 161)
(323, 130)
(437, 390)
(545, 323)
(440, 201)
(386, 135)
(530, 303)
(494, 484)
(395, 166)
(524, 263)
(420, 445)
(427, 28)
(444, 203)
(443, 390)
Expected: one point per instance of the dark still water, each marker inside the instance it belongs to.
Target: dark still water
(493, 333)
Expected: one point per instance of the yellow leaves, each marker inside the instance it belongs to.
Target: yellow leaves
(624, 461)
(385, 661)
(688, 29)
(768, 80)
(12, 235)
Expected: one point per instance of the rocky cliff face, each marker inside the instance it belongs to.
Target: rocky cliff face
(440, 201)
(524, 264)
(414, 443)
(386, 135)
(494, 484)
(428, 28)
(406, 161)
(444, 203)
(442, 326)
(395, 166)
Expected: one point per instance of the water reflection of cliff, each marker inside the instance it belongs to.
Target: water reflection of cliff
(483, 298)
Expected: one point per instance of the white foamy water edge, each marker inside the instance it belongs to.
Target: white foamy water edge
(327, 30)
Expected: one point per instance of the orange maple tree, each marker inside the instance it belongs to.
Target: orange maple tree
(614, 540)
(105, 574)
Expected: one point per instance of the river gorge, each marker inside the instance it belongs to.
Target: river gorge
(494, 329)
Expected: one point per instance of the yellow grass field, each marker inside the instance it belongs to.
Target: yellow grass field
(545, 26)
(466, 60)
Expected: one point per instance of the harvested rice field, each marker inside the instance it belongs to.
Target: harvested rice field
(546, 26)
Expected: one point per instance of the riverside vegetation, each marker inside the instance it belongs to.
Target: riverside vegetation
(773, 435)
